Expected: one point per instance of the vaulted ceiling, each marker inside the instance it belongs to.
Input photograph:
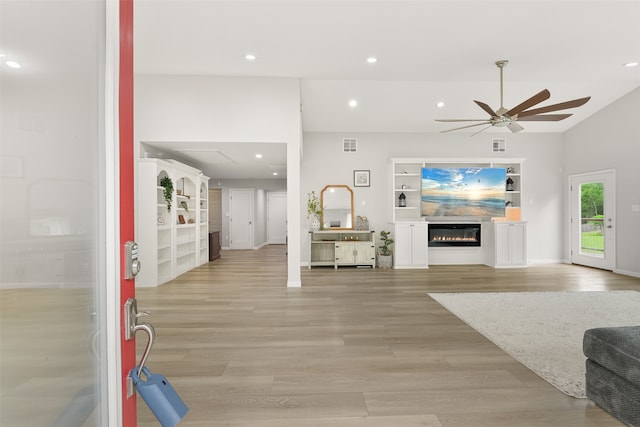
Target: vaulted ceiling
(427, 52)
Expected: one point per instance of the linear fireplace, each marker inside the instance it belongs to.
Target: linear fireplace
(454, 234)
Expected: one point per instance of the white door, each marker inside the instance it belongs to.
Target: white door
(277, 218)
(593, 219)
(241, 219)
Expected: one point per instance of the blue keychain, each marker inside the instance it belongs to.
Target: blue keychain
(159, 396)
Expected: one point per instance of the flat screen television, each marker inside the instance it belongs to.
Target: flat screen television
(477, 192)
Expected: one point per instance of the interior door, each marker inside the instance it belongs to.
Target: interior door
(593, 219)
(277, 218)
(241, 218)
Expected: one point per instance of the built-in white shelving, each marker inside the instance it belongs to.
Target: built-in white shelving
(170, 238)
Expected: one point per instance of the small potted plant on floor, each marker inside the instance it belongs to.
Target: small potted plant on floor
(385, 255)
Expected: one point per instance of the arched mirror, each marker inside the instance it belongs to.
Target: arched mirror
(337, 207)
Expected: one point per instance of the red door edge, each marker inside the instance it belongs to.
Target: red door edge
(125, 116)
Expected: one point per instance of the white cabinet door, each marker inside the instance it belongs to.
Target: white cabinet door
(345, 253)
(518, 243)
(402, 245)
(419, 245)
(365, 253)
(410, 248)
(510, 244)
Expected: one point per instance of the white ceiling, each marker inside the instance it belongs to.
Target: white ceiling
(428, 51)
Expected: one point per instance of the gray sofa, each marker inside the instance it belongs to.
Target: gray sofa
(613, 371)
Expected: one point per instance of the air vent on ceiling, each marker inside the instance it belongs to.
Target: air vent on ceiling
(349, 145)
(499, 145)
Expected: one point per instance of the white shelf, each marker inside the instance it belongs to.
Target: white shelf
(178, 247)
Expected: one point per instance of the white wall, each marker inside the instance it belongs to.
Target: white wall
(610, 139)
(325, 163)
(227, 109)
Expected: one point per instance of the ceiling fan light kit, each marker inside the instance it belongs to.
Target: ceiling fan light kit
(508, 118)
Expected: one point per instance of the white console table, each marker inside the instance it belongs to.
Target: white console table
(342, 248)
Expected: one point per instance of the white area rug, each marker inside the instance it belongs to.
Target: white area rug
(544, 330)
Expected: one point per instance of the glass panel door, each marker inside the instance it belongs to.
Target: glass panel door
(592, 220)
(52, 230)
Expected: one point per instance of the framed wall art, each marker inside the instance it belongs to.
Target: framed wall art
(361, 178)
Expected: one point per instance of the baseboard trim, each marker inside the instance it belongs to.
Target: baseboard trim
(546, 261)
(627, 273)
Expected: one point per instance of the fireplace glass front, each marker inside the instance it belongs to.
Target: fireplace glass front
(443, 235)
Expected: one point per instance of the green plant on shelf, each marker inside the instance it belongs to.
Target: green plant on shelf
(167, 184)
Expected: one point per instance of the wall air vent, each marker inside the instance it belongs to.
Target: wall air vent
(499, 145)
(350, 145)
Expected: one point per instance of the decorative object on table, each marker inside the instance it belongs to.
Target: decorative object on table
(361, 178)
(314, 211)
(167, 184)
(184, 205)
(362, 223)
(402, 201)
(385, 255)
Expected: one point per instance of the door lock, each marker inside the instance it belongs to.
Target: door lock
(131, 261)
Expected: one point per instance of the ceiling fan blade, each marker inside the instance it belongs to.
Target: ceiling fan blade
(475, 133)
(486, 108)
(464, 127)
(460, 120)
(514, 127)
(543, 95)
(555, 107)
(544, 118)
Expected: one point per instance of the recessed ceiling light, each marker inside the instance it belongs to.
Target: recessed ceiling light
(440, 104)
(275, 174)
(353, 103)
(13, 64)
(631, 64)
(258, 156)
(250, 57)
(372, 60)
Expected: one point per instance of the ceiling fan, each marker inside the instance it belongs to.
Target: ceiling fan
(520, 113)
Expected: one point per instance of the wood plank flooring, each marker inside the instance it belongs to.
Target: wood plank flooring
(353, 347)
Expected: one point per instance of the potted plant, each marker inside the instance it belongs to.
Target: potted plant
(313, 211)
(167, 184)
(385, 255)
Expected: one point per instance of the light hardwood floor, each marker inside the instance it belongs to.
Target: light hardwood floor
(352, 347)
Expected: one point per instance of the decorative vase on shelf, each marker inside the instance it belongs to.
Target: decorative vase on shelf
(314, 223)
(402, 201)
(509, 184)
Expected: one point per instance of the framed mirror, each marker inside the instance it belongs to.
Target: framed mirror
(337, 207)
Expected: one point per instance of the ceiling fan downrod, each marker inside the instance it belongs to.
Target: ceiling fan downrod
(501, 64)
